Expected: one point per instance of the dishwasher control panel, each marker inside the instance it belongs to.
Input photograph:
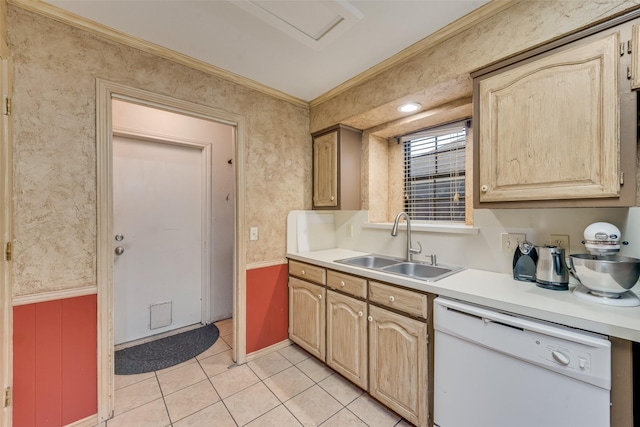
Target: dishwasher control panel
(554, 352)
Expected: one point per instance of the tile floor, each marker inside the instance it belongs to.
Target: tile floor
(283, 388)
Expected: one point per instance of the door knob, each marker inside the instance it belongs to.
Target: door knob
(119, 250)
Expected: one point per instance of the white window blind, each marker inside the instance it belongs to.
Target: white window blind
(434, 173)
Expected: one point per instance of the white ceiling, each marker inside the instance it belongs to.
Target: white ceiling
(303, 48)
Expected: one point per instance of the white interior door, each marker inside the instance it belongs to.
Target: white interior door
(157, 211)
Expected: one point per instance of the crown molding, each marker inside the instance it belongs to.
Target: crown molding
(60, 15)
(458, 26)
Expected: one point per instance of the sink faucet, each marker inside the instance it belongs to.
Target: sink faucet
(394, 232)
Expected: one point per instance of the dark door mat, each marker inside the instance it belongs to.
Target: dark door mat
(165, 352)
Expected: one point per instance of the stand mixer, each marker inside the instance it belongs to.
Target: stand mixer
(604, 276)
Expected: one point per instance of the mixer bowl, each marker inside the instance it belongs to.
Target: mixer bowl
(605, 275)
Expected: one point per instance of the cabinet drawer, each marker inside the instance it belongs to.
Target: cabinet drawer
(355, 286)
(308, 272)
(412, 303)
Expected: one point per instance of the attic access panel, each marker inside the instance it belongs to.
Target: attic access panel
(314, 23)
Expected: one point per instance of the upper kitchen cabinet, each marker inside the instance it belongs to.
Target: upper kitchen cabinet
(556, 127)
(336, 168)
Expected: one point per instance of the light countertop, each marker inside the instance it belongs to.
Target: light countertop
(501, 292)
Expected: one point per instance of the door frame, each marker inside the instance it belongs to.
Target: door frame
(105, 92)
(6, 236)
(206, 214)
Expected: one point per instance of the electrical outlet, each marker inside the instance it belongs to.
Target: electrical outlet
(510, 241)
(253, 233)
(561, 240)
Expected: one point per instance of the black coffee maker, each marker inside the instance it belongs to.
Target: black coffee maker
(524, 262)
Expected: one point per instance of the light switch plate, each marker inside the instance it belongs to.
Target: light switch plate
(510, 241)
(253, 233)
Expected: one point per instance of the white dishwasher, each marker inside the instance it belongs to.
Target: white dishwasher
(493, 369)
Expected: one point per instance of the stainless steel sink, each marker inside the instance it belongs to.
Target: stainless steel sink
(413, 269)
(370, 261)
(418, 270)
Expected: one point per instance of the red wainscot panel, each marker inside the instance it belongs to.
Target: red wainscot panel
(267, 307)
(55, 362)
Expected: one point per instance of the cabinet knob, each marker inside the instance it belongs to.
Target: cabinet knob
(320, 296)
(484, 188)
(302, 272)
(370, 318)
(342, 283)
(332, 198)
(360, 314)
(392, 298)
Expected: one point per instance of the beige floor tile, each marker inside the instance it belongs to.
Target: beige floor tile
(294, 354)
(228, 339)
(136, 395)
(223, 321)
(340, 389)
(344, 418)
(152, 414)
(372, 412)
(233, 380)
(315, 370)
(214, 415)
(126, 380)
(225, 328)
(288, 383)
(251, 403)
(313, 406)
(269, 365)
(190, 400)
(180, 378)
(277, 417)
(404, 423)
(217, 364)
(218, 347)
(174, 367)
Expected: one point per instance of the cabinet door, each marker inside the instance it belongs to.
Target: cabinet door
(398, 365)
(347, 337)
(307, 316)
(549, 128)
(325, 170)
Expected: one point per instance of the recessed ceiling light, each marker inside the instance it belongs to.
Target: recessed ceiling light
(409, 107)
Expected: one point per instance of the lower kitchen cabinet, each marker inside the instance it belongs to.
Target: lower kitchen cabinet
(347, 337)
(307, 316)
(398, 364)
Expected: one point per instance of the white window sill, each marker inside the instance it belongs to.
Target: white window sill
(428, 227)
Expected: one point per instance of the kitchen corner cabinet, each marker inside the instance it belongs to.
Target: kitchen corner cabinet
(548, 128)
(307, 308)
(336, 168)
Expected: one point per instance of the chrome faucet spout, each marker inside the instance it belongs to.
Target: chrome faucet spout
(394, 232)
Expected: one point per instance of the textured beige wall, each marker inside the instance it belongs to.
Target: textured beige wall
(378, 183)
(54, 142)
(441, 74)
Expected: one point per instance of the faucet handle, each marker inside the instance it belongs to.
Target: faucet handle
(416, 251)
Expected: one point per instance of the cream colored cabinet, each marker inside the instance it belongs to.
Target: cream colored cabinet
(548, 128)
(398, 364)
(336, 168)
(347, 337)
(307, 316)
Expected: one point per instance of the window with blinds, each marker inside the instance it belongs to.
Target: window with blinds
(434, 172)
